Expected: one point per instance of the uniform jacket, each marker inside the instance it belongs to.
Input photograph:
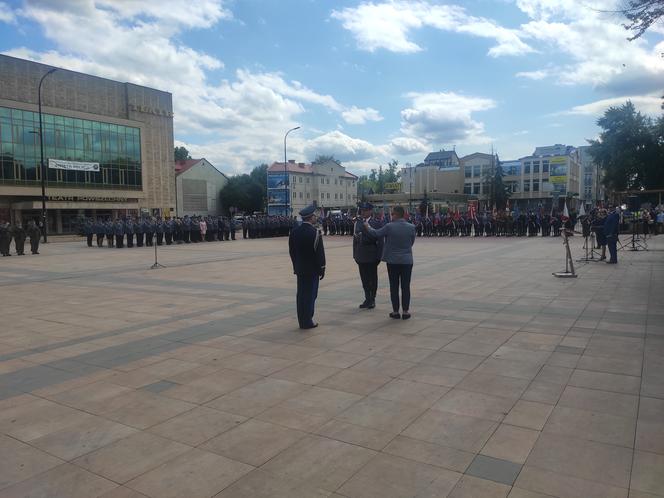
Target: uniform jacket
(366, 247)
(399, 239)
(611, 225)
(306, 250)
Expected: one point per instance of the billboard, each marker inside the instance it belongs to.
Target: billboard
(396, 186)
(277, 196)
(558, 170)
(276, 180)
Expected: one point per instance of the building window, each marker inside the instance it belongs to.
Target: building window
(535, 185)
(335, 181)
(327, 181)
(335, 196)
(328, 195)
(294, 195)
(467, 188)
(476, 188)
(536, 167)
(300, 195)
(307, 180)
(308, 195)
(526, 169)
(116, 148)
(468, 172)
(476, 171)
(322, 181)
(545, 166)
(526, 185)
(300, 179)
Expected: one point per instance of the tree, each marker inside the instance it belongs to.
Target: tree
(246, 192)
(181, 154)
(642, 14)
(630, 149)
(497, 193)
(324, 158)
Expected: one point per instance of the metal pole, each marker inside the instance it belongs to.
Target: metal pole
(286, 169)
(41, 152)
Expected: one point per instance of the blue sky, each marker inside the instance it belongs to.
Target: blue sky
(367, 81)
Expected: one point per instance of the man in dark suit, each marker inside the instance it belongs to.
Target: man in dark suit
(308, 256)
(611, 230)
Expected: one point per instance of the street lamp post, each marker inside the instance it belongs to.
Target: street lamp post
(286, 168)
(41, 152)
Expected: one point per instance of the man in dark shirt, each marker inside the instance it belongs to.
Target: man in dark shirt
(308, 257)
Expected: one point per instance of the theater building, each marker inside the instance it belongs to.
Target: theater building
(108, 146)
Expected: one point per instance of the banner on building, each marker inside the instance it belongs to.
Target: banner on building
(72, 165)
(394, 186)
(276, 180)
(277, 196)
(558, 170)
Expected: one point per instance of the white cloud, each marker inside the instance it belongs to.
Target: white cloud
(6, 14)
(342, 147)
(388, 24)
(591, 36)
(444, 118)
(239, 121)
(355, 115)
(404, 146)
(648, 104)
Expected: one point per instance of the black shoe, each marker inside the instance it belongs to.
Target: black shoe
(405, 315)
(312, 326)
(371, 305)
(364, 305)
(395, 315)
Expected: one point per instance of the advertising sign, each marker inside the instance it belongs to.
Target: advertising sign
(558, 170)
(275, 196)
(395, 186)
(276, 180)
(72, 165)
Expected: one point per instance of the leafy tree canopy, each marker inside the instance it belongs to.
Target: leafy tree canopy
(247, 193)
(181, 154)
(630, 149)
(642, 14)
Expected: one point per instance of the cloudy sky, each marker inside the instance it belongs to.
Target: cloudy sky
(367, 81)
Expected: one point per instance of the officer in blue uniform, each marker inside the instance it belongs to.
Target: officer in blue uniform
(611, 230)
(367, 251)
(308, 256)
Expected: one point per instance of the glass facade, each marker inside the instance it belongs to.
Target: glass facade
(116, 148)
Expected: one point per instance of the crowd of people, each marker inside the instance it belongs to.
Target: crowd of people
(148, 231)
(19, 234)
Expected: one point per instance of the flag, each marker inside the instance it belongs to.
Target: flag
(582, 210)
(565, 211)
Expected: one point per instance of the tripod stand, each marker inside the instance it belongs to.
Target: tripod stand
(589, 248)
(637, 243)
(569, 261)
(156, 264)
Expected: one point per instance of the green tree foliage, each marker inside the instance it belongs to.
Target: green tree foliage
(642, 14)
(181, 154)
(630, 149)
(247, 193)
(322, 158)
(374, 183)
(497, 193)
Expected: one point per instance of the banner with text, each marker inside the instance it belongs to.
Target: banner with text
(72, 165)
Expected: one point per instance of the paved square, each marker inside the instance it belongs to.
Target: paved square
(193, 380)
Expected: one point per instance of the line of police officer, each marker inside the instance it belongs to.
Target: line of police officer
(19, 234)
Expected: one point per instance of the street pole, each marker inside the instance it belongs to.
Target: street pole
(41, 152)
(286, 169)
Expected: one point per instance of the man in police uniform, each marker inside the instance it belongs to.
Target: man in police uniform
(367, 251)
(308, 256)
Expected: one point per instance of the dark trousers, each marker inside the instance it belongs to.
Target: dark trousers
(307, 292)
(612, 243)
(89, 237)
(187, 235)
(110, 239)
(369, 277)
(160, 239)
(34, 245)
(100, 239)
(399, 275)
(119, 241)
(244, 232)
(20, 244)
(139, 240)
(148, 239)
(169, 238)
(130, 240)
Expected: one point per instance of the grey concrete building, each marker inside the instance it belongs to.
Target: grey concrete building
(108, 146)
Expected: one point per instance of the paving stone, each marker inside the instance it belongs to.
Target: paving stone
(197, 426)
(529, 414)
(381, 414)
(510, 443)
(21, 461)
(472, 487)
(474, 404)
(565, 486)
(647, 472)
(157, 387)
(494, 469)
(431, 453)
